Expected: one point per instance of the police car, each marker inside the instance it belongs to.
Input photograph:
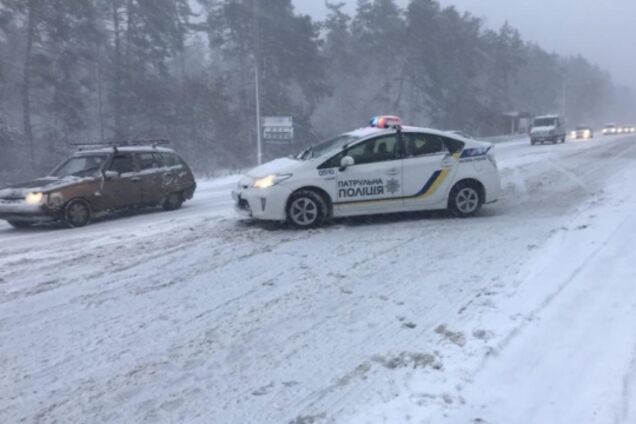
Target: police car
(384, 168)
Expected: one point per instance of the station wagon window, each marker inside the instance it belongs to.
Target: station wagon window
(80, 166)
(149, 160)
(122, 163)
(170, 159)
(420, 144)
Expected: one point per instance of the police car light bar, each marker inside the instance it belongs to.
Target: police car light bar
(387, 121)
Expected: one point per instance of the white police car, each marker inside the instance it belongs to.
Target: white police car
(383, 168)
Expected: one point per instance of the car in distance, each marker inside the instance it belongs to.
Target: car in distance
(383, 168)
(610, 129)
(548, 128)
(97, 181)
(582, 133)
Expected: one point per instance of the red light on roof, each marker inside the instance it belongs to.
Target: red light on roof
(386, 121)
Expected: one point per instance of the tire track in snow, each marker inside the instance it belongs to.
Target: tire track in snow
(628, 411)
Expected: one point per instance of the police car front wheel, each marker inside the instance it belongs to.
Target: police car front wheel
(306, 209)
(465, 200)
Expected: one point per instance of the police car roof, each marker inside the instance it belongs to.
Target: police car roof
(125, 149)
(370, 131)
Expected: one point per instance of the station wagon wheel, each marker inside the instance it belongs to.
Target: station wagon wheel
(173, 202)
(77, 214)
(465, 200)
(20, 224)
(306, 209)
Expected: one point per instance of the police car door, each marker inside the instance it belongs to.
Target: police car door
(374, 183)
(428, 171)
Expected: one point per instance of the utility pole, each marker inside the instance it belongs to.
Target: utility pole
(259, 147)
(564, 95)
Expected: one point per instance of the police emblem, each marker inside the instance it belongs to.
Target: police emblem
(392, 186)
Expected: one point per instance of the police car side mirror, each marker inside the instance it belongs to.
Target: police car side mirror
(346, 162)
(111, 175)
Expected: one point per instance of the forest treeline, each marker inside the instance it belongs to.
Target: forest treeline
(97, 70)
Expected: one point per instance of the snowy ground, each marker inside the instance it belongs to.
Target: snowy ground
(522, 315)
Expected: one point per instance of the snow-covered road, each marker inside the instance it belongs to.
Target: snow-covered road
(519, 315)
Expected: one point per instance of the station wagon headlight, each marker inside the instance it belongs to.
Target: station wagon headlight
(271, 180)
(34, 198)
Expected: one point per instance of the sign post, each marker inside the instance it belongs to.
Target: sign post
(259, 147)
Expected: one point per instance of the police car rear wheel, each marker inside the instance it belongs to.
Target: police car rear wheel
(465, 200)
(306, 209)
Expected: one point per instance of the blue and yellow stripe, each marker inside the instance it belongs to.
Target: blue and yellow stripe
(431, 186)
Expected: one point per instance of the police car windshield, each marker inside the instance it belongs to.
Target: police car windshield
(80, 166)
(328, 146)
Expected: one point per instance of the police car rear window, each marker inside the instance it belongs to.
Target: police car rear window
(452, 145)
(420, 144)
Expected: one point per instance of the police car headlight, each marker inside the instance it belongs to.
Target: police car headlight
(34, 198)
(271, 180)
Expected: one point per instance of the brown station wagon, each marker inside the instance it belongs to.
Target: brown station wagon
(97, 181)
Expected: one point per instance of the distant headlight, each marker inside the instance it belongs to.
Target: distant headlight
(34, 198)
(573, 134)
(271, 180)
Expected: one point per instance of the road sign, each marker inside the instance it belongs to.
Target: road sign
(278, 129)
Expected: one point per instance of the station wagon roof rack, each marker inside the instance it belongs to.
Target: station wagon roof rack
(123, 143)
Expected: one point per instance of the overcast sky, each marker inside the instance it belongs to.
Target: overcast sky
(604, 31)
